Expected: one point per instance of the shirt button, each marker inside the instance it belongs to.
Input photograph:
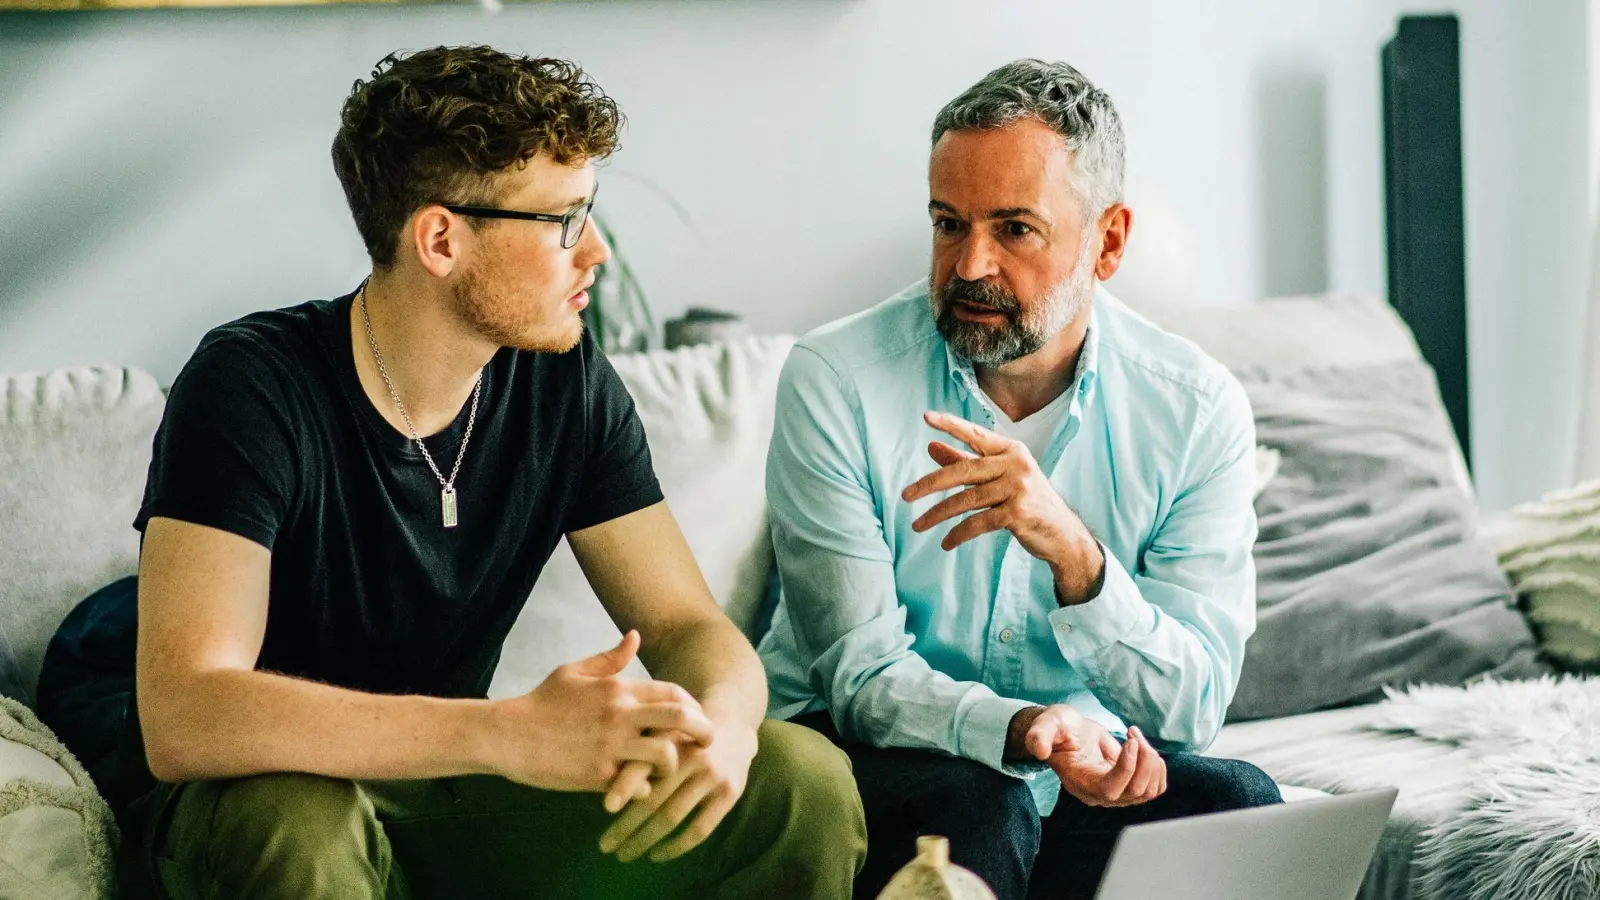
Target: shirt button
(1094, 684)
(1063, 627)
(1006, 635)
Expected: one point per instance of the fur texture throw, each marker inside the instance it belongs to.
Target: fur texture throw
(56, 833)
(1532, 830)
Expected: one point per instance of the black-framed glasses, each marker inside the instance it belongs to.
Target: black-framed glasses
(572, 221)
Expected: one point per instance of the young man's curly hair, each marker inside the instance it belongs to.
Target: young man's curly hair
(438, 124)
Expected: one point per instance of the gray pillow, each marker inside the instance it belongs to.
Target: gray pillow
(1369, 570)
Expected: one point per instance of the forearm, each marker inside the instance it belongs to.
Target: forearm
(713, 661)
(1152, 668)
(231, 723)
(881, 692)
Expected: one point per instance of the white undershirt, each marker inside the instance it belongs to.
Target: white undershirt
(1038, 430)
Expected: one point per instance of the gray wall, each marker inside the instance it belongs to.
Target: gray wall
(163, 171)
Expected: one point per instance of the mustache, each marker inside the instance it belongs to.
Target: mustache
(979, 293)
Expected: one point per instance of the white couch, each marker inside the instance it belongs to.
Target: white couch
(75, 445)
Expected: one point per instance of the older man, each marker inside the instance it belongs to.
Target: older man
(1022, 645)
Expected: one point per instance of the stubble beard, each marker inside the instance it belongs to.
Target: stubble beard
(496, 312)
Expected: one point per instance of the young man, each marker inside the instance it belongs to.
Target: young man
(350, 501)
(1019, 648)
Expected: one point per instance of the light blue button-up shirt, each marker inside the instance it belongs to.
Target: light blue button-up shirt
(908, 645)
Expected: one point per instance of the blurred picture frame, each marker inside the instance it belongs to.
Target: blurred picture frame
(172, 4)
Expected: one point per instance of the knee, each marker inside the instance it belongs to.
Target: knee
(975, 805)
(799, 778)
(989, 818)
(293, 814)
(1225, 784)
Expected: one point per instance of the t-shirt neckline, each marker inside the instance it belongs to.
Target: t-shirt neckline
(446, 441)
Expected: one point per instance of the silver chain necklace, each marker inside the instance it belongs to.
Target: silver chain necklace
(447, 497)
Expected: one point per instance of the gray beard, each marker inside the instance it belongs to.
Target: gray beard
(1023, 333)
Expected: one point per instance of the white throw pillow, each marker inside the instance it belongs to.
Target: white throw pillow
(74, 454)
(56, 834)
(1550, 550)
(707, 412)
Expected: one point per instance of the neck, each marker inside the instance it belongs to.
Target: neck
(432, 358)
(1024, 386)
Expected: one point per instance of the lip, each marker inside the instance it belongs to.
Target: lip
(968, 312)
(581, 298)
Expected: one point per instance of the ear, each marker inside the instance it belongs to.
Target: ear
(435, 236)
(1115, 225)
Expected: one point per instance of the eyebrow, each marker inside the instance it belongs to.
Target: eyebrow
(1009, 212)
(574, 204)
(561, 209)
(1015, 212)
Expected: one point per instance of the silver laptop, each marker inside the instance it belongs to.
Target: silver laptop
(1305, 850)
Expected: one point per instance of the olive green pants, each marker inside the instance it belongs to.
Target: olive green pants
(798, 831)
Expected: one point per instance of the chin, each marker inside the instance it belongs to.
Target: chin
(550, 340)
(570, 340)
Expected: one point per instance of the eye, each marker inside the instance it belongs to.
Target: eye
(948, 225)
(1017, 229)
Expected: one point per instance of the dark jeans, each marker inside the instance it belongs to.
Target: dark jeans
(996, 831)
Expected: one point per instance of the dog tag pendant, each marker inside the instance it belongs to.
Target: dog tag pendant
(447, 500)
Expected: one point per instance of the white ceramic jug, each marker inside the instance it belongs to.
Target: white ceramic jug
(931, 877)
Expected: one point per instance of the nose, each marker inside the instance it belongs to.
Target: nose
(975, 259)
(592, 249)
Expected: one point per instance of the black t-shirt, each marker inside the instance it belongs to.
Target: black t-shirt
(269, 435)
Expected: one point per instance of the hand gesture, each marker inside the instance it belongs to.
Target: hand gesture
(1005, 490)
(1093, 767)
(710, 777)
(582, 724)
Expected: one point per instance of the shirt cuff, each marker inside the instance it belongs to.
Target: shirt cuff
(1083, 630)
(983, 733)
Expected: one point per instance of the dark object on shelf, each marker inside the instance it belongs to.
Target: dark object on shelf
(1423, 196)
(703, 326)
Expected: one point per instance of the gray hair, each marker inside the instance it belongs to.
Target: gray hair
(1061, 97)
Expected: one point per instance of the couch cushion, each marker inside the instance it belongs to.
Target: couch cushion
(1550, 549)
(707, 411)
(1369, 569)
(1311, 332)
(74, 453)
(1295, 332)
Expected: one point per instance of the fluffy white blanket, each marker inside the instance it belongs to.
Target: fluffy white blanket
(1532, 831)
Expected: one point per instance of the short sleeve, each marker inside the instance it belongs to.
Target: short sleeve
(225, 454)
(618, 475)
